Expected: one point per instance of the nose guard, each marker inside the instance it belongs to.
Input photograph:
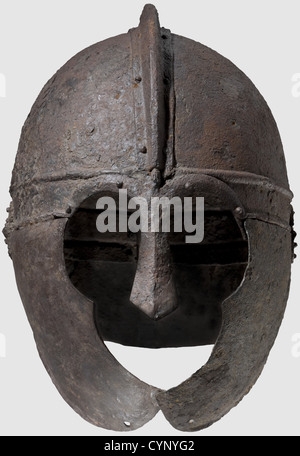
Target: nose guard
(153, 289)
(165, 133)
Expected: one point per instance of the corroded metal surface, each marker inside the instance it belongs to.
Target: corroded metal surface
(86, 374)
(251, 319)
(159, 115)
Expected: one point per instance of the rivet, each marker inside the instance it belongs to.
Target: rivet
(239, 211)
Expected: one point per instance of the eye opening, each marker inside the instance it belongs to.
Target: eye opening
(224, 241)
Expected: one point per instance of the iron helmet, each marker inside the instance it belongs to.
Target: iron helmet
(158, 115)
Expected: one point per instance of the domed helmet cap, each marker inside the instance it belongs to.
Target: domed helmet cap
(157, 114)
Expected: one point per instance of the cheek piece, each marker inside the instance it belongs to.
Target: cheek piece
(159, 115)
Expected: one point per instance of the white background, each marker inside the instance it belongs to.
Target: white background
(37, 38)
